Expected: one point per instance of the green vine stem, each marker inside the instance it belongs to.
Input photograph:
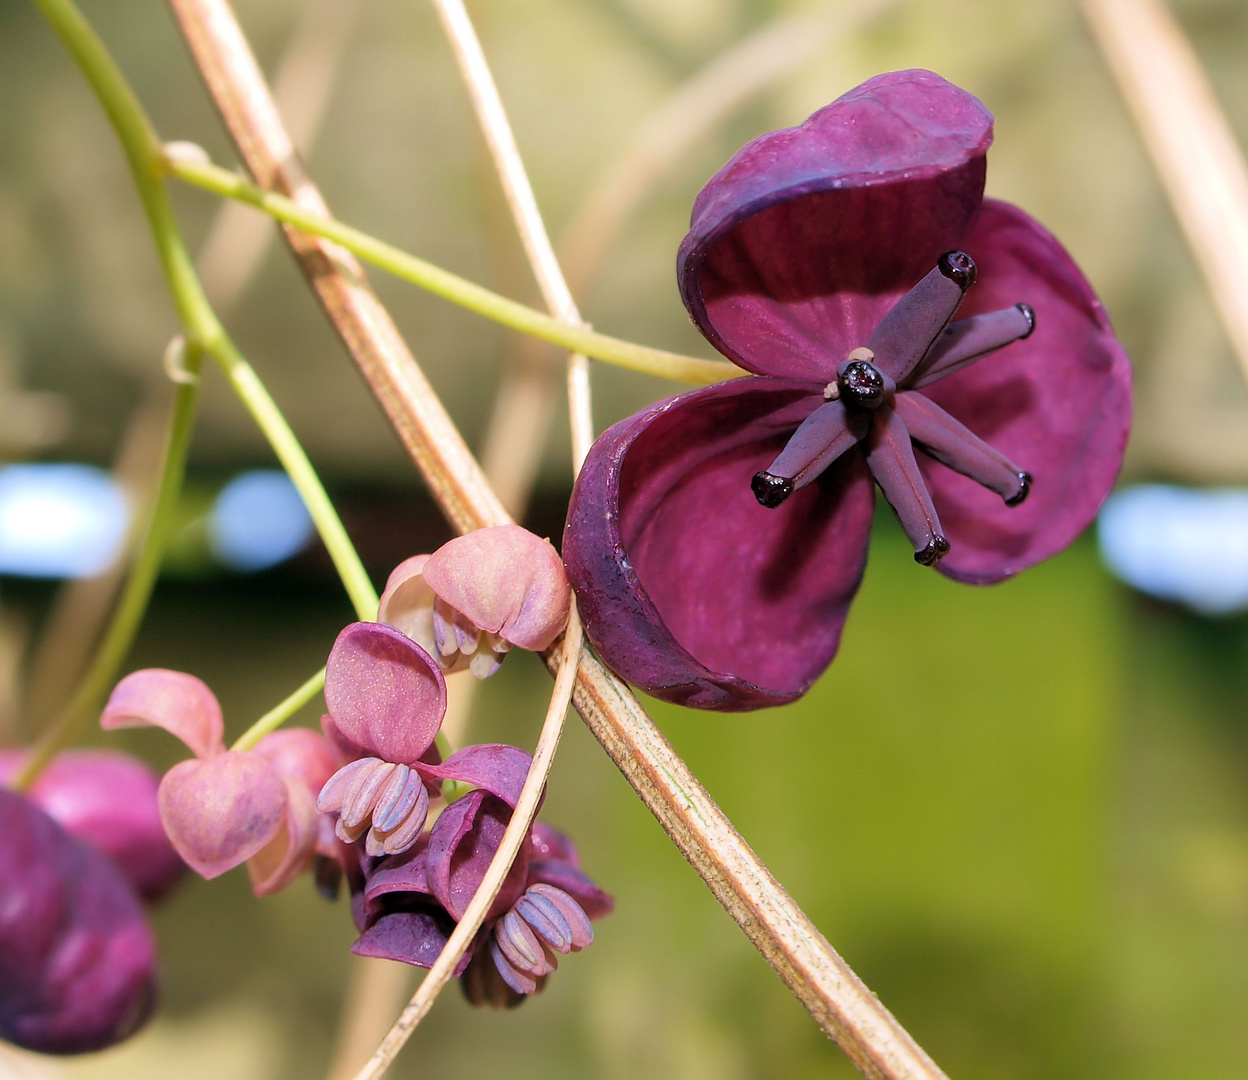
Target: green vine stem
(189, 163)
(143, 151)
(124, 624)
(280, 713)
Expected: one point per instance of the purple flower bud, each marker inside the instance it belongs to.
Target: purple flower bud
(107, 799)
(478, 595)
(77, 960)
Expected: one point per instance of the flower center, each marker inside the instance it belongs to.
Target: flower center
(873, 401)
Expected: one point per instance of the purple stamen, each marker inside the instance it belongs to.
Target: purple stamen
(518, 981)
(905, 334)
(361, 805)
(398, 799)
(890, 457)
(965, 341)
(952, 444)
(582, 930)
(546, 920)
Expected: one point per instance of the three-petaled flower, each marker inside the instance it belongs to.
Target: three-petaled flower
(715, 540)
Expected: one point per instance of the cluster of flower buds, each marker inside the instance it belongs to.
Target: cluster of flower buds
(78, 855)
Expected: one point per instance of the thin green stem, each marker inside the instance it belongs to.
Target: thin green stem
(124, 624)
(194, 169)
(280, 713)
(144, 153)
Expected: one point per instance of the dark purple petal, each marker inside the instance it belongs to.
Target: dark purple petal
(549, 843)
(1057, 404)
(411, 937)
(806, 238)
(688, 587)
(77, 960)
(461, 845)
(575, 882)
(405, 873)
(108, 799)
(384, 692)
(493, 767)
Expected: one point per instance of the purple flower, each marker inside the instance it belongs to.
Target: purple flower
(107, 799)
(715, 540)
(77, 960)
(408, 905)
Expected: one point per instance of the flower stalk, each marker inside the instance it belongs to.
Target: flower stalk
(443, 283)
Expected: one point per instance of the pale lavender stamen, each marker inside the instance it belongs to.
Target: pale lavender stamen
(543, 919)
(546, 920)
(370, 792)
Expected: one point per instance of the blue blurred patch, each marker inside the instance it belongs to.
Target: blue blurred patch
(1181, 544)
(60, 521)
(258, 521)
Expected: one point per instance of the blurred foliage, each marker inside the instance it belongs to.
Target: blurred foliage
(1020, 813)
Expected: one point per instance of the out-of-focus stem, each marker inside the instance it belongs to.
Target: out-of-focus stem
(844, 1008)
(1200, 164)
(443, 283)
(528, 218)
(124, 624)
(144, 153)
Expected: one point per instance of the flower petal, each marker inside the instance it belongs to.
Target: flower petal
(804, 240)
(1057, 404)
(461, 845)
(575, 882)
(407, 602)
(220, 811)
(384, 692)
(107, 799)
(495, 767)
(506, 581)
(688, 587)
(411, 937)
(180, 703)
(77, 957)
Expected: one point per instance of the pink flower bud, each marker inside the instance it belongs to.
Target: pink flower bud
(107, 799)
(478, 595)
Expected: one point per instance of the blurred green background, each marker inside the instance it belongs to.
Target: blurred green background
(1020, 813)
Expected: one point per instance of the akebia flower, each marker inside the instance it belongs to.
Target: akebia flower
(408, 904)
(478, 595)
(108, 799)
(716, 539)
(77, 960)
(226, 807)
(386, 699)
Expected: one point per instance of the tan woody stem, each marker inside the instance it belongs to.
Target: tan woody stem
(837, 999)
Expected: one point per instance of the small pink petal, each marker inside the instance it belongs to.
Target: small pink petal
(384, 692)
(506, 581)
(407, 601)
(220, 811)
(291, 851)
(180, 703)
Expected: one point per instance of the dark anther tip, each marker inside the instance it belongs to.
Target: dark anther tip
(771, 490)
(1029, 313)
(937, 548)
(1024, 478)
(958, 267)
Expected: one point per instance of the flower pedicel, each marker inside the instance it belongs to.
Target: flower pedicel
(715, 540)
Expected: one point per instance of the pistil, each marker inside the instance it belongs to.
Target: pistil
(872, 401)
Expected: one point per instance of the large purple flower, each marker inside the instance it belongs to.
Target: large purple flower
(77, 960)
(716, 539)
